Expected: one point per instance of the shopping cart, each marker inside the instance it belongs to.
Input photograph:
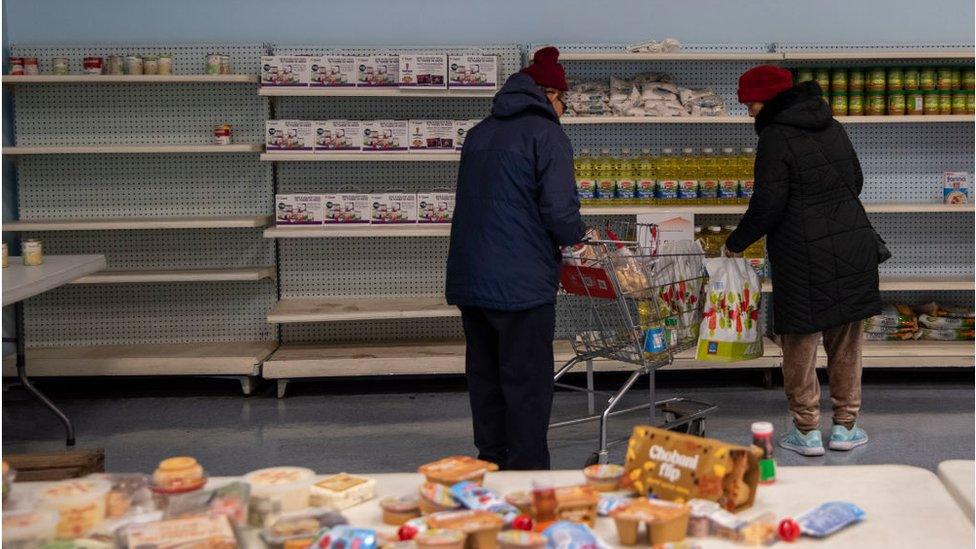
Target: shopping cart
(637, 305)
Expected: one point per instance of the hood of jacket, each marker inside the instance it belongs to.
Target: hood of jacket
(521, 94)
(801, 106)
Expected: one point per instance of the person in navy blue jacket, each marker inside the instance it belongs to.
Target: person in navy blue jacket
(516, 206)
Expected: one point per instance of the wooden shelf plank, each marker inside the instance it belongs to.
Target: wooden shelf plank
(674, 56)
(134, 223)
(364, 230)
(10, 80)
(225, 358)
(361, 157)
(876, 54)
(283, 91)
(372, 308)
(909, 354)
(137, 149)
(179, 275)
(875, 207)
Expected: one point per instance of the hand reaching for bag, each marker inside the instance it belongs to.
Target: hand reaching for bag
(727, 253)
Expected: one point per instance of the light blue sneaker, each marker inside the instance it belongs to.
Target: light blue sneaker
(842, 438)
(810, 444)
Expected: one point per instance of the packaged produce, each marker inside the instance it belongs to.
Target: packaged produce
(300, 525)
(666, 522)
(915, 102)
(519, 539)
(876, 104)
(472, 71)
(231, 500)
(454, 469)
(201, 531)
(896, 102)
(398, 510)
(337, 136)
(28, 529)
(475, 496)
(439, 538)
(577, 504)
(80, 503)
(431, 135)
(461, 129)
(385, 136)
(346, 537)
(730, 324)
(393, 207)
(279, 70)
(672, 465)
(333, 71)
(342, 491)
(962, 334)
(829, 518)
(289, 136)
(277, 490)
(855, 81)
(435, 498)
(423, 70)
(956, 187)
(480, 528)
(604, 477)
(377, 70)
(435, 207)
(299, 209)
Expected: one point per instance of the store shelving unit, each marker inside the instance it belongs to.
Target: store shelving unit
(136, 149)
(282, 91)
(915, 284)
(625, 55)
(877, 54)
(906, 119)
(359, 231)
(179, 275)
(122, 224)
(371, 308)
(362, 157)
(9, 80)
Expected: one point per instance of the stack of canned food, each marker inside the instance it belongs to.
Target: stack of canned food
(895, 90)
(117, 65)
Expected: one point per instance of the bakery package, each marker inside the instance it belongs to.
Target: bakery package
(289, 136)
(675, 466)
(298, 209)
(338, 136)
(435, 207)
(423, 70)
(393, 207)
(346, 208)
(281, 70)
(198, 531)
(385, 135)
(461, 129)
(333, 71)
(454, 469)
(957, 187)
(431, 135)
(342, 491)
(377, 70)
(473, 72)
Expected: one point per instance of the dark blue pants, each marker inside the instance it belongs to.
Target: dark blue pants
(509, 366)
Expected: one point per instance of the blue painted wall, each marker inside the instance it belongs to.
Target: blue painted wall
(432, 22)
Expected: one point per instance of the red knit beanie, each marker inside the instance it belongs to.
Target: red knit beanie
(546, 70)
(762, 83)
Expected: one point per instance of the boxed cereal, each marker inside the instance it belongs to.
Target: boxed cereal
(432, 135)
(298, 209)
(424, 70)
(472, 72)
(338, 136)
(289, 136)
(394, 207)
(957, 187)
(377, 70)
(461, 128)
(435, 207)
(281, 70)
(346, 208)
(333, 71)
(385, 135)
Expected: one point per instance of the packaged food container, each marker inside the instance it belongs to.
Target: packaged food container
(150, 64)
(926, 78)
(520, 539)
(439, 538)
(181, 474)
(30, 66)
(224, 64)
(435, 498)
(822, 77)
(804, 74)
(915, 102)
(301, 525)
(342, 491)
(16, 66)
(60, 65)
(956, 80)
(896, 102)
(855, 80)
(876, 79)
(213, 64)
(80, 504)
(480, 527)
(945, 102)
(454, 469)
(605, 478)
(959, 102)
(165, 63)
(896, 79)
(970, 101)
(910, 79)
(968, 79)
(277, 490)
(838, 104)
(398, 510)
(665, 521)
(28, 529)
(31, 252)
(838, 81)
(875, 104)
(92, 65)
(944, 77)
(521, 500)
(855, 104)
(222, 134)
(931, 102)
(133, 64)
(115, 64)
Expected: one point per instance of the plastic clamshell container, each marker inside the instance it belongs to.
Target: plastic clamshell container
(29, 528)
(80, 503)
(278, 490)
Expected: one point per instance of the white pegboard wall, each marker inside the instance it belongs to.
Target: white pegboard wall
(932, 245)
(187, 58)
(377, 108)
(658, 136)
(374, 331)
(328, 177)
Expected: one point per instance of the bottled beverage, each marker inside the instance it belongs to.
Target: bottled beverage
(653, 332)
(708, 180)
(746, 177)
(623, 170)
(604, 173)
(667, 178)
(762, 437)
(728, 177)
(689, 174)
(644, 173)
(585, 185)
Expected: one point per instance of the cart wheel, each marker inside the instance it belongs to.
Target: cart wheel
(697, 427)
(592, 460)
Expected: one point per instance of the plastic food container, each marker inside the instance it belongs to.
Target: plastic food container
(605, 478)
(521, 500)
(29, 528)
(398, 510)
(519, 539)
(440, 539)
(303, 525)
(80, 504)
(277, 490)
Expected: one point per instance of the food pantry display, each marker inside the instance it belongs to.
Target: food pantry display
(333, 136)
(672, 487)
(361, 208)
(116, 65)
(650, 94)
(404, 70)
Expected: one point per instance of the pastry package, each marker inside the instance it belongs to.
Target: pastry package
(435, 498)
(231, 500)
(474, 496)
(709, 519)
(664, 521)
(202, 531)
(675, 466)
(300, 525)
(577, 504)
(481, 528)
(341, 491)
(452, 470)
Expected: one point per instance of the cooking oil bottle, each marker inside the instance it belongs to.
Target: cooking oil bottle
(666, 173)
(605, 182)
(689, 174)
(644, 172)
(708, 182)
(624, 175)
(728, 177)
(585, 185)
(700, 235)
(713, 241)
(652, 331)
(746, 177)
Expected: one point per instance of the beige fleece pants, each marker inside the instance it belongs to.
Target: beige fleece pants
(843, 346)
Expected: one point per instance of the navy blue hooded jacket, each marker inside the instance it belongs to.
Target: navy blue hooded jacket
(516, 204)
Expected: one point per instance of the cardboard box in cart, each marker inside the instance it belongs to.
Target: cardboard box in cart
(281, 70)
(289, 136)
(346, 208)
(338, 136)
(385, 136)
(393, 207)
(298, 209)
(333, 71)
(479, 72)
(424, 70)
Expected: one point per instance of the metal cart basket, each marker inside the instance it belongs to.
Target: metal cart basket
(635, 306)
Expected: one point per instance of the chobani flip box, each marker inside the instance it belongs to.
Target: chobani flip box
(338, 136)
(298, 209)
(426, 70)
(289, 136)
(279, 70)
(377, 70)
(385, 136)
(347, 208)
(472, 72)
(393, 207)
(435, 207)
(333, 71)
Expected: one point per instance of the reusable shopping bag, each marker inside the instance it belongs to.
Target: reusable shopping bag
(729, 329)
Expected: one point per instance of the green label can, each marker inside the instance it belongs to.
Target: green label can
(877, 80)
(970, 101)
(855, 80)
(822, 76)
(926, 78)
(958, 102)
(875, 105)
(931, 105)
(914, 102)
(838, 104)
(855, 104)
(804, 74)
(945, 102)
(968, 79)
(944, 78)
(838, 81)
(911, 79)
(896, 78)
(896, 102)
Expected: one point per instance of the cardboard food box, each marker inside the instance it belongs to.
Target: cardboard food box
(333, 71)
(477, 72)
(377, 70)
(298, 209)
(393, 208)
(385, 136)
(289, 136)
(280, 70)
(956, 188)
(432, 135)
(679, 467)
(346, 208)
(426, 70)
(461, 129)
(338, 136)
(435, 207)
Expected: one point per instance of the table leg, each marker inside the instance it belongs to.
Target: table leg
(22, 374)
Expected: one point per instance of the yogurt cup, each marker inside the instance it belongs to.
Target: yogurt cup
(605, 477)
(80, 504)
(277, 490)
(29, 528)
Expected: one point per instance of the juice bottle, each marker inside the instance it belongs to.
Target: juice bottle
(605, 182)
(585, 185)
(728, 177)
(644, 173)
(746, 177)
(667, 178)
(623, 170)
(708, 182)
(689, 174)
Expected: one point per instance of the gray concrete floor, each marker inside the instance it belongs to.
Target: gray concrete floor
(917, 418)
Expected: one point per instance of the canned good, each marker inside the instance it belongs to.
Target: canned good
(31, 252)
(165, 63)
(60, 65)
(838, 104)
(133, 64)
(6, 256)
(93, 65)
(150, 64)
(224, 64)
(896, 78)
(804, 74)
(30, 66)
(915, 102)
(958, 102)
(855, 104)
(945, 102)
(115, 64)
(970, 101)
(822, 77)
(911, 79)
(926, 78)
(931, 102)
(838, 81)
(968, 79)
(875, 105)
(896, 102)
(876, 79)
(855, 80)
(222, 134)
(943, 78)
(956, 78)
(213, 64)
(17, 66)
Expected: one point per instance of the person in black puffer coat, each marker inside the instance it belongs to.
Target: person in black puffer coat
(822, 250)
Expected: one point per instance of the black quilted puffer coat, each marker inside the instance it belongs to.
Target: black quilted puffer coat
(821, 246)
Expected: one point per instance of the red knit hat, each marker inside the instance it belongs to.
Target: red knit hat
(546, 70)
(762, 83)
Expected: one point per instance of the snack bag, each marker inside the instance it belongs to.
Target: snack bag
(729, 329)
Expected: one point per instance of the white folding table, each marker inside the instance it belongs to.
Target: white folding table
(959, 477)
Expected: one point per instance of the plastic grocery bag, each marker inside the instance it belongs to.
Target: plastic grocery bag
(729, 329)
